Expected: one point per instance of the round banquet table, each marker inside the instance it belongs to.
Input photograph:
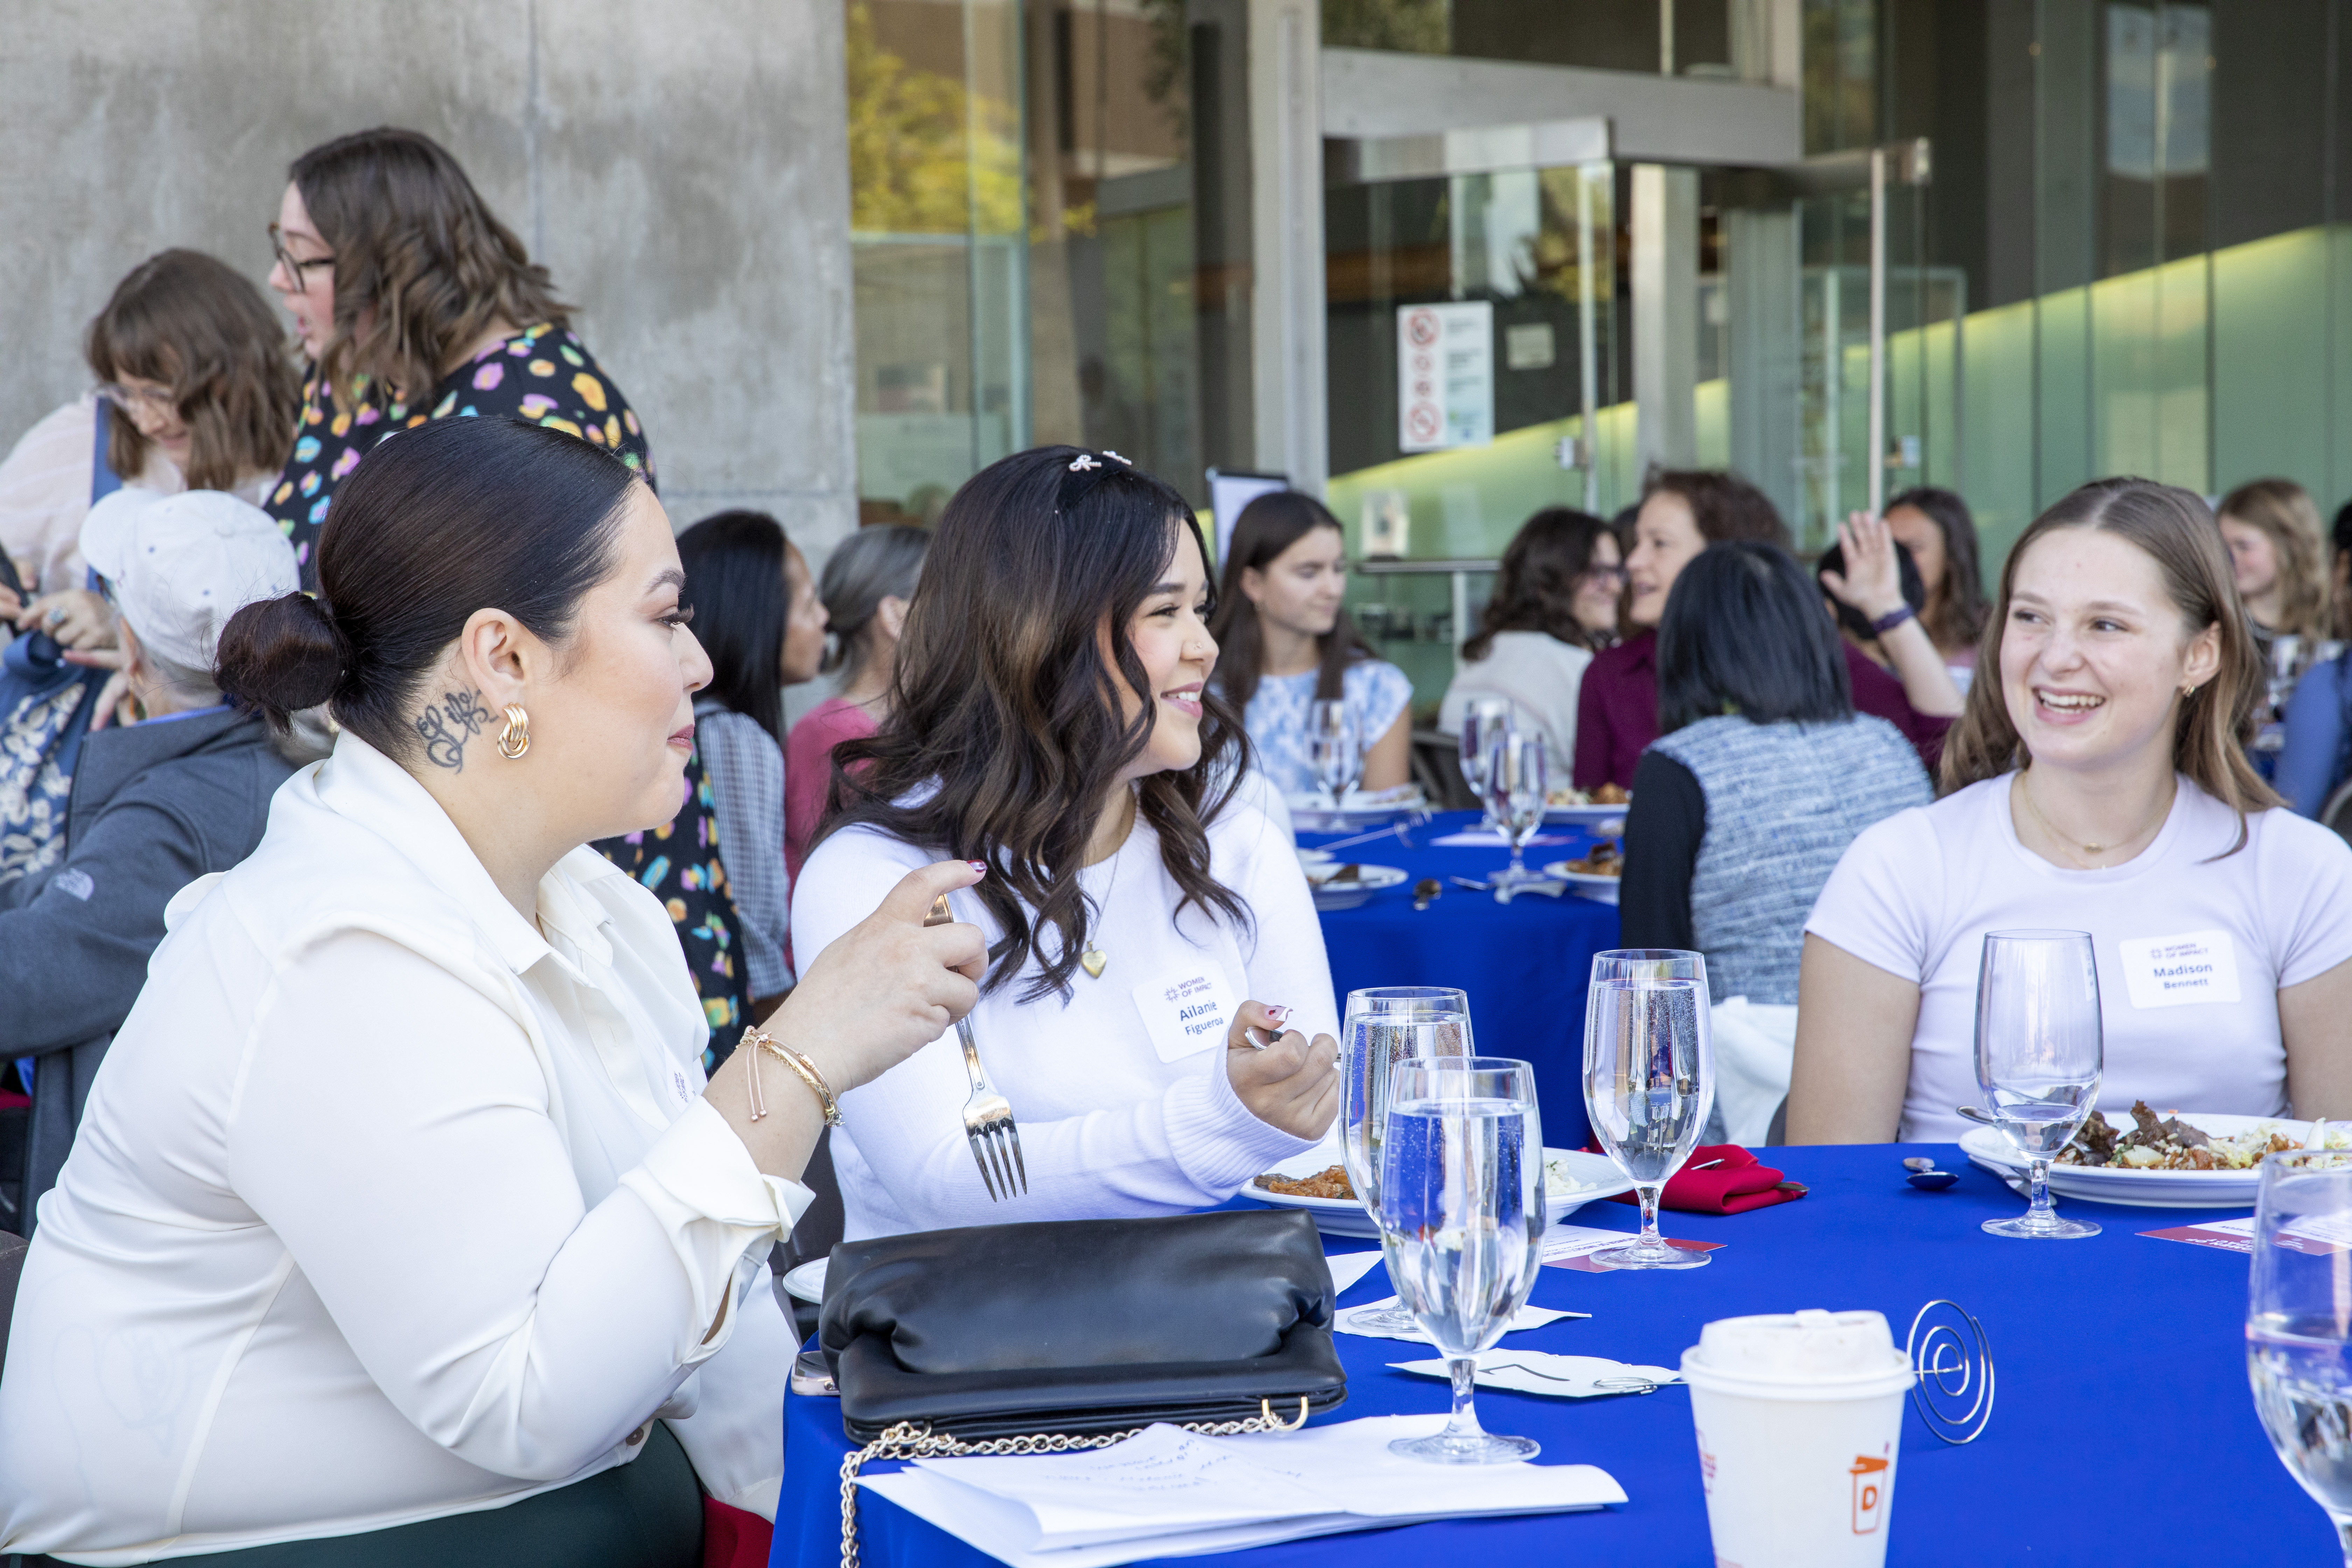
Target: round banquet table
(1525, 965)
(2123, 1428)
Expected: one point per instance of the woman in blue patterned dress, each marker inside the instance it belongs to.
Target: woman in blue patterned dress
(415, 302)
(1286, 643)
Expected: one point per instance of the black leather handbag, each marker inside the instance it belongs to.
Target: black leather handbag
(1078, 1328)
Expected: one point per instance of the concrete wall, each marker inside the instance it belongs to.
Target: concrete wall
(680, 165)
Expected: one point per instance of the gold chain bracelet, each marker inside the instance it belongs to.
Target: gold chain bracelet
(757, 1040)
(908, 1440)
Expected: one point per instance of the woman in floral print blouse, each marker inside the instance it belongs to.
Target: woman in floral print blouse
(414, 302)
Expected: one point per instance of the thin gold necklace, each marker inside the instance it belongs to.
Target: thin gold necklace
(1094, 960)
(2025, 788)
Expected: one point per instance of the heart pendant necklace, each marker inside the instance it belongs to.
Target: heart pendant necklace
(1094, 960)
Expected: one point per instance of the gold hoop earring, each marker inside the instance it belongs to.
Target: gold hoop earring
(515, 739)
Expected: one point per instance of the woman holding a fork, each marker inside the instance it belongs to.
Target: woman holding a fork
(403, 1225)
(1052, 718)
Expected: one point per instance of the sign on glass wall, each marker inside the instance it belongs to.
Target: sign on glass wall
(1445, 376)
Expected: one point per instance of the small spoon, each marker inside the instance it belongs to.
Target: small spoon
(1978, 1116)
(1925, 1177)
(1426, 891)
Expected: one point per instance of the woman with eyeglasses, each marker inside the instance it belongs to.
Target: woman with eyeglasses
(415, 302)
(195, 391)
(1555, 606)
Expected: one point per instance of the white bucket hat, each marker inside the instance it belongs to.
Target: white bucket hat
(181, 565)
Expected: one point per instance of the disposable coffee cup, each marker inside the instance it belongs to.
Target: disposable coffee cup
(1799, 1421)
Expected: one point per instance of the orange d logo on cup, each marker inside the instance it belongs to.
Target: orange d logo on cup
(1869, 1493)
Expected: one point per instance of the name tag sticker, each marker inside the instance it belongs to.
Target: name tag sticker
(1185, 1012)
(2181, 971)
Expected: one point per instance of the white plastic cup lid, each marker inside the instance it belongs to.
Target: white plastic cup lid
(1810, 1346)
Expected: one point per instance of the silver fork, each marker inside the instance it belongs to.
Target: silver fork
(987, 1115)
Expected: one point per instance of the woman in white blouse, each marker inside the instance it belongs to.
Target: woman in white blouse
(401, 1209)
(1050, 716)
(2097, 782)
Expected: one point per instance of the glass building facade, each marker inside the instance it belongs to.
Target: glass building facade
(2113, 243)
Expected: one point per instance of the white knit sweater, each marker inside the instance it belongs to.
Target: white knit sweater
(1120, 1093)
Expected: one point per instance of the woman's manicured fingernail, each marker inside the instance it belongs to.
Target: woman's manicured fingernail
(1277, 1013)
(979, 867)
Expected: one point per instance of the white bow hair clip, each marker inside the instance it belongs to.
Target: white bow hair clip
(1082, 462)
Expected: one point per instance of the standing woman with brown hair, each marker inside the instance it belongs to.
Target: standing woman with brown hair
(2278, 556)
(1288, 643)
(415, 302)
(2097, 782)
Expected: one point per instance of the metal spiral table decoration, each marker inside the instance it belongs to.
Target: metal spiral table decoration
(1952, 1366)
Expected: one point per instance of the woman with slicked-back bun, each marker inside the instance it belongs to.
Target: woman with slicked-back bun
(417, 1087)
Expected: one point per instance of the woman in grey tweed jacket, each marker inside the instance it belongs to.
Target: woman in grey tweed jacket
(1763, 774)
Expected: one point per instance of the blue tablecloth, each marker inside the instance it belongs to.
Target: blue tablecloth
(2123, 1430)
(1525, 965)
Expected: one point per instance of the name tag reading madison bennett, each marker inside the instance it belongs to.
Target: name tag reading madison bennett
(1185, 1012)
(2181, 971)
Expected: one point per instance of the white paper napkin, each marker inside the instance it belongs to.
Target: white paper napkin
(1560, 1376)
(1474, 839)
(1525, 1318)
(1347, 1268)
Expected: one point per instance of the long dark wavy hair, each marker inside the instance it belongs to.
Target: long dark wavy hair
(1004, 735)
(1266, 528)
(1535, 591)
(1956, 610)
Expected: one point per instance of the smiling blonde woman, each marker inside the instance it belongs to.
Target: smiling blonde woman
(2097, 781)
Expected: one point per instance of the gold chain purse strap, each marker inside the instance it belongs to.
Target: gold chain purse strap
(906, 1440)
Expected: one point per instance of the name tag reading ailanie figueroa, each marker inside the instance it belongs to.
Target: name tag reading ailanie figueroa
(1185, 1012)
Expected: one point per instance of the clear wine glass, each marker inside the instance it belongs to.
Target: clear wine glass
(1331, 749)
(1462, 1223)
(1649, 1080)
(1385, 1026)
(1517, 777)
(2039, 1057)
(1482, 721)
(2299, 1325)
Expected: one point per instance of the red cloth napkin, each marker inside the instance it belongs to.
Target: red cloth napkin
(733, 1538)
(1738, 1183)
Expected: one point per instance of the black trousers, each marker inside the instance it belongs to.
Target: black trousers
(644, 1514)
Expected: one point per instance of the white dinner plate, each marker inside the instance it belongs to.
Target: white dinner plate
(1607, 821)
(1572, 1179)
(1587, 884)
(1347, 895)
(806, 1283)
(2142, 1189)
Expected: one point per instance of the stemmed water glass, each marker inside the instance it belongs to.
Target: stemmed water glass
(2039, 1057)
(1483, 721)
(1332, 751)
(1386, 1026)
(1649, 1080)
(1462, 1223)
(1517, 777)
(2299, 1323)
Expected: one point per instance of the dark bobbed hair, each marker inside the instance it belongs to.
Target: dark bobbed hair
(1743, 633)
(1956, 609)
(1724, 505)
(881, 562)
(438, 521)
(735, 581)
(423, 266)
(1906, 571)
(2215, 723)
(1266, 528)
(1535, 588)
(198, 326)
(1005, 736)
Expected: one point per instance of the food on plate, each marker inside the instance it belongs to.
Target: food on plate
(1330, 1182)
(2170, 1144)
(1607, 794)
(1605, 860)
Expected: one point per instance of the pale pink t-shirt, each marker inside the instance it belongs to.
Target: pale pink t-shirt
(2192, 950)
